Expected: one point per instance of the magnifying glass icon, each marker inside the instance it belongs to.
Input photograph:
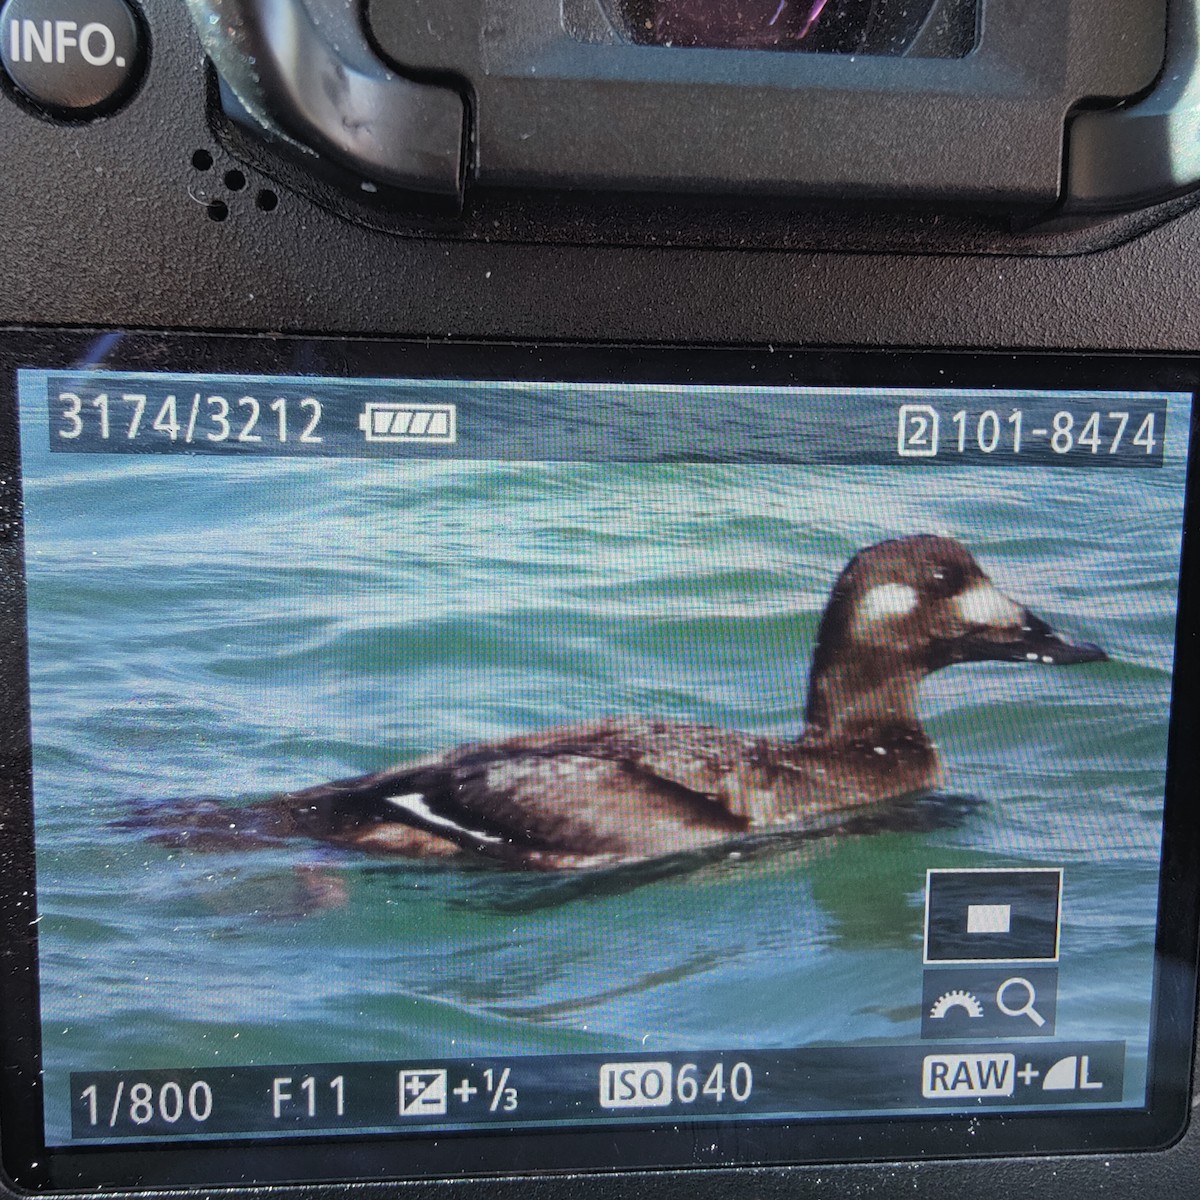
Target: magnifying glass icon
(1025, 1009)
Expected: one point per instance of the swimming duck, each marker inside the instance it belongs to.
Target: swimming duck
(620, 790)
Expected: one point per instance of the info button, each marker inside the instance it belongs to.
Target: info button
(992, 916)
(72, 58)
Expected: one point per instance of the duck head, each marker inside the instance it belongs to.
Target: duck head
(901, 610)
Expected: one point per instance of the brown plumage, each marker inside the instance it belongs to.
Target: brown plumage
(626, 789)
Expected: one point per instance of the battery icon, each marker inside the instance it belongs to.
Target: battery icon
(409, 422)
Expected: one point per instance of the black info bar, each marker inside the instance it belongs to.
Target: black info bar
(586, 1089)
(112, 412)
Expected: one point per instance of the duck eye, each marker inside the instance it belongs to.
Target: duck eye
(946, 579)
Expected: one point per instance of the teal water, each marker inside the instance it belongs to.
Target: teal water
(230, 629)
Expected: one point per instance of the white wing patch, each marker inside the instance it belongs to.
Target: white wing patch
(888, 600)
(414, 803)
(985, 604)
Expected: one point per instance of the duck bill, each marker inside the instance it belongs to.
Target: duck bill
(1032, 640)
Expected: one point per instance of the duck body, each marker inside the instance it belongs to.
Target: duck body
(629, 789)
(603, 792)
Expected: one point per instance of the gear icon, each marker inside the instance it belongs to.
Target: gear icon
(964, 1000)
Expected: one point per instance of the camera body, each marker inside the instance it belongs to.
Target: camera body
(1018, 201)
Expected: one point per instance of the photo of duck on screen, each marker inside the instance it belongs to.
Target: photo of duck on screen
(630, 789)
(347, 760)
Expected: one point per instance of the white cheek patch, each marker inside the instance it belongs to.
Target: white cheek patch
(985, 604)
(888, 600)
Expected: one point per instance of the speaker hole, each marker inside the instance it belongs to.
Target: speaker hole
(266, 200)
(218, 210)
(235, 181)
(202, 160)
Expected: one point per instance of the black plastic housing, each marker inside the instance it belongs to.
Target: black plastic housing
(583, 109)
(120, 223)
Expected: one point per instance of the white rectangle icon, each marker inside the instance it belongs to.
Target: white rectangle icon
(989, 918)
(636, 1085)
(409, 422)
(982, 951)
(917, 436)
(961, 1076)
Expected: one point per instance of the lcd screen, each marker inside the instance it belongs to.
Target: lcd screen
(418, 757)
